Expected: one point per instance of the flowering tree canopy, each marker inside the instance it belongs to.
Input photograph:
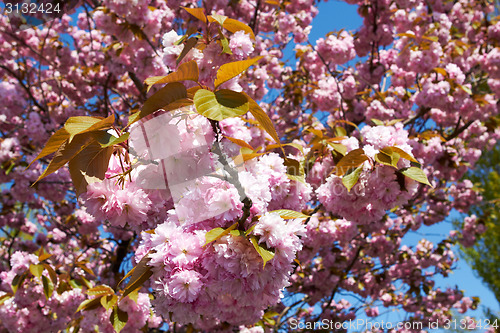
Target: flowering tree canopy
(165, 167)
(484, 254)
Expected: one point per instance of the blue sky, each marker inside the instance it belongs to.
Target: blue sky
(335, 15)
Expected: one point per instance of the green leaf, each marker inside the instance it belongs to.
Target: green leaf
(249, 230)
(53, 144)
(465, 88)
(48, 286)
(100, 290)
(83, 281)
(390, 150)
(135, 295)
(217, 18)
(178, 42)
(225, 44)
(263, 119)
(89, 304)
(220, 105)
(172, 92)
(108, 301)
(106, 140)
(264, 253)
(393, 156)
(4, 297)
(377, 122)
(230, 70)
(17, 281)
(217, 233)
(340, 131)
(393, 121)
(140, 274)
(300, 179)
(338, 147)
(268, 317)
(52, 273)
(352, 178)
(36, 270)
(459, 50)
(74, 284)
(118, 319)
(395, 159)
(10, 168)
(238, 233)
(431, 38)
(79, 125)
(187, 71)
(416, 174)
(290, 214)
(383, 159)
(352, 160)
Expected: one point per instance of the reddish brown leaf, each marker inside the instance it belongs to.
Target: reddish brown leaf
(352, 160)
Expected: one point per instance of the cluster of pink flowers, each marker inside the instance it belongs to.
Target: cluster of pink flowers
(378, 188)
(29, 310)
(9, 149)
(188, 179)
(139, 315)
(472, 228)
(224, 281)
(336, 50)
(107, 201)
(241, 45)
